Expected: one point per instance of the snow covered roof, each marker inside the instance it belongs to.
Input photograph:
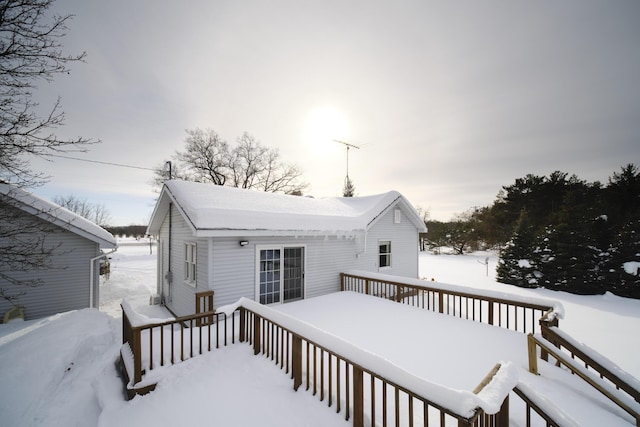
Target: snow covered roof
(57, 215)
(213, 210)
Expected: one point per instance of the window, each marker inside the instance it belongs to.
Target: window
(384, 253)
(190, 263)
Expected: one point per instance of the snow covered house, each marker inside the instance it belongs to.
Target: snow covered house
(64, 279)
(274, 248)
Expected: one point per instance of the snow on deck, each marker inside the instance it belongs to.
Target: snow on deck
(453, 352)
(441, 349)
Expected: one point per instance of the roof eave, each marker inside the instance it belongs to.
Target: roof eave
(243, 232)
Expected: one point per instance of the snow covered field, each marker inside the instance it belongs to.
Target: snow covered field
(60, 370)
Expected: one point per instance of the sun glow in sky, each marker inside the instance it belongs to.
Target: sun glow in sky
(322, 126)
(447, 101)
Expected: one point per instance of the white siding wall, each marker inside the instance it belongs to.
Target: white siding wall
(179, 296)
(234, 266)
(404, 245)
(65, 287)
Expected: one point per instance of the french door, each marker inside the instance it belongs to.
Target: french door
(280, 274)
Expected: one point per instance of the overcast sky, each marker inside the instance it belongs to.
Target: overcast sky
(448, 100)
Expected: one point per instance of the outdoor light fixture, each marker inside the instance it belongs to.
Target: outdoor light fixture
(243, 243)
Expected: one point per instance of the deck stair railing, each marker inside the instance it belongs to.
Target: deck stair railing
(588, 365)
(507, 311)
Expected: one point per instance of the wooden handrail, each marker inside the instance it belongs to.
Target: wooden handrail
(465, 304)
(270, 338)
(563, 358)
(133, 335)
(552, 335)
(530, 404)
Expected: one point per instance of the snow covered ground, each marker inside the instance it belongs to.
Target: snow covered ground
(61, 370)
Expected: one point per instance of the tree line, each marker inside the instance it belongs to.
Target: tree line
(557, 232)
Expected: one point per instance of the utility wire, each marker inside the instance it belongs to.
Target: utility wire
(98, 161)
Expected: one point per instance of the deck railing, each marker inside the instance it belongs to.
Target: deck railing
(532, 408)
(157, 344)
(591, 361)
(617, 390)
(512, 312)
(358, 392)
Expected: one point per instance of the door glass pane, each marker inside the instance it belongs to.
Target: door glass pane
(293, 274)
(269, 276)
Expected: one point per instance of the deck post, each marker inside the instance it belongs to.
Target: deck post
(296, 362)
(342, 282)
(502, 417)
(533, 359)
(136, 349)
(440, 302)
(358, 397)
(544, 330)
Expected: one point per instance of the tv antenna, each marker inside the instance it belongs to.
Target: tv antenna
(346, 144)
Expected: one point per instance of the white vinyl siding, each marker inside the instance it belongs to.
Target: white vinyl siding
(178, 293)
(230, 270)
(64, 286)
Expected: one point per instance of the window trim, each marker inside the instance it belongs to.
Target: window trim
(385, 254)
(190, 263)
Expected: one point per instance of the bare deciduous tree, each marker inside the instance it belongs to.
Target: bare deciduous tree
(94, 212)
(249, 164)
(207, 155)
(30, 53)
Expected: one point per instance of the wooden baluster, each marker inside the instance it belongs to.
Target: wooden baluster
(296, 362)
(358, 397)
(256, 334)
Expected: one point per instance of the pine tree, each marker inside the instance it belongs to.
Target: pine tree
(515, 266)
(349, 189)
(623, 266)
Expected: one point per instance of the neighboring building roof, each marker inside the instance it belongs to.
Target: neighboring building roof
(56, 215)
(213, 210)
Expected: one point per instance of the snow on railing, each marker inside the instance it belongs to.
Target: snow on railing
(509, 311)
(150, 344)
(342, 372)
(621, 389)
(365, 386)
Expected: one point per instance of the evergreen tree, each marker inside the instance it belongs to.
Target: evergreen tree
(516, 266)
(623, 264)
(348, 190)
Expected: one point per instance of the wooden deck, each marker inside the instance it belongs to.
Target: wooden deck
(374, 359)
